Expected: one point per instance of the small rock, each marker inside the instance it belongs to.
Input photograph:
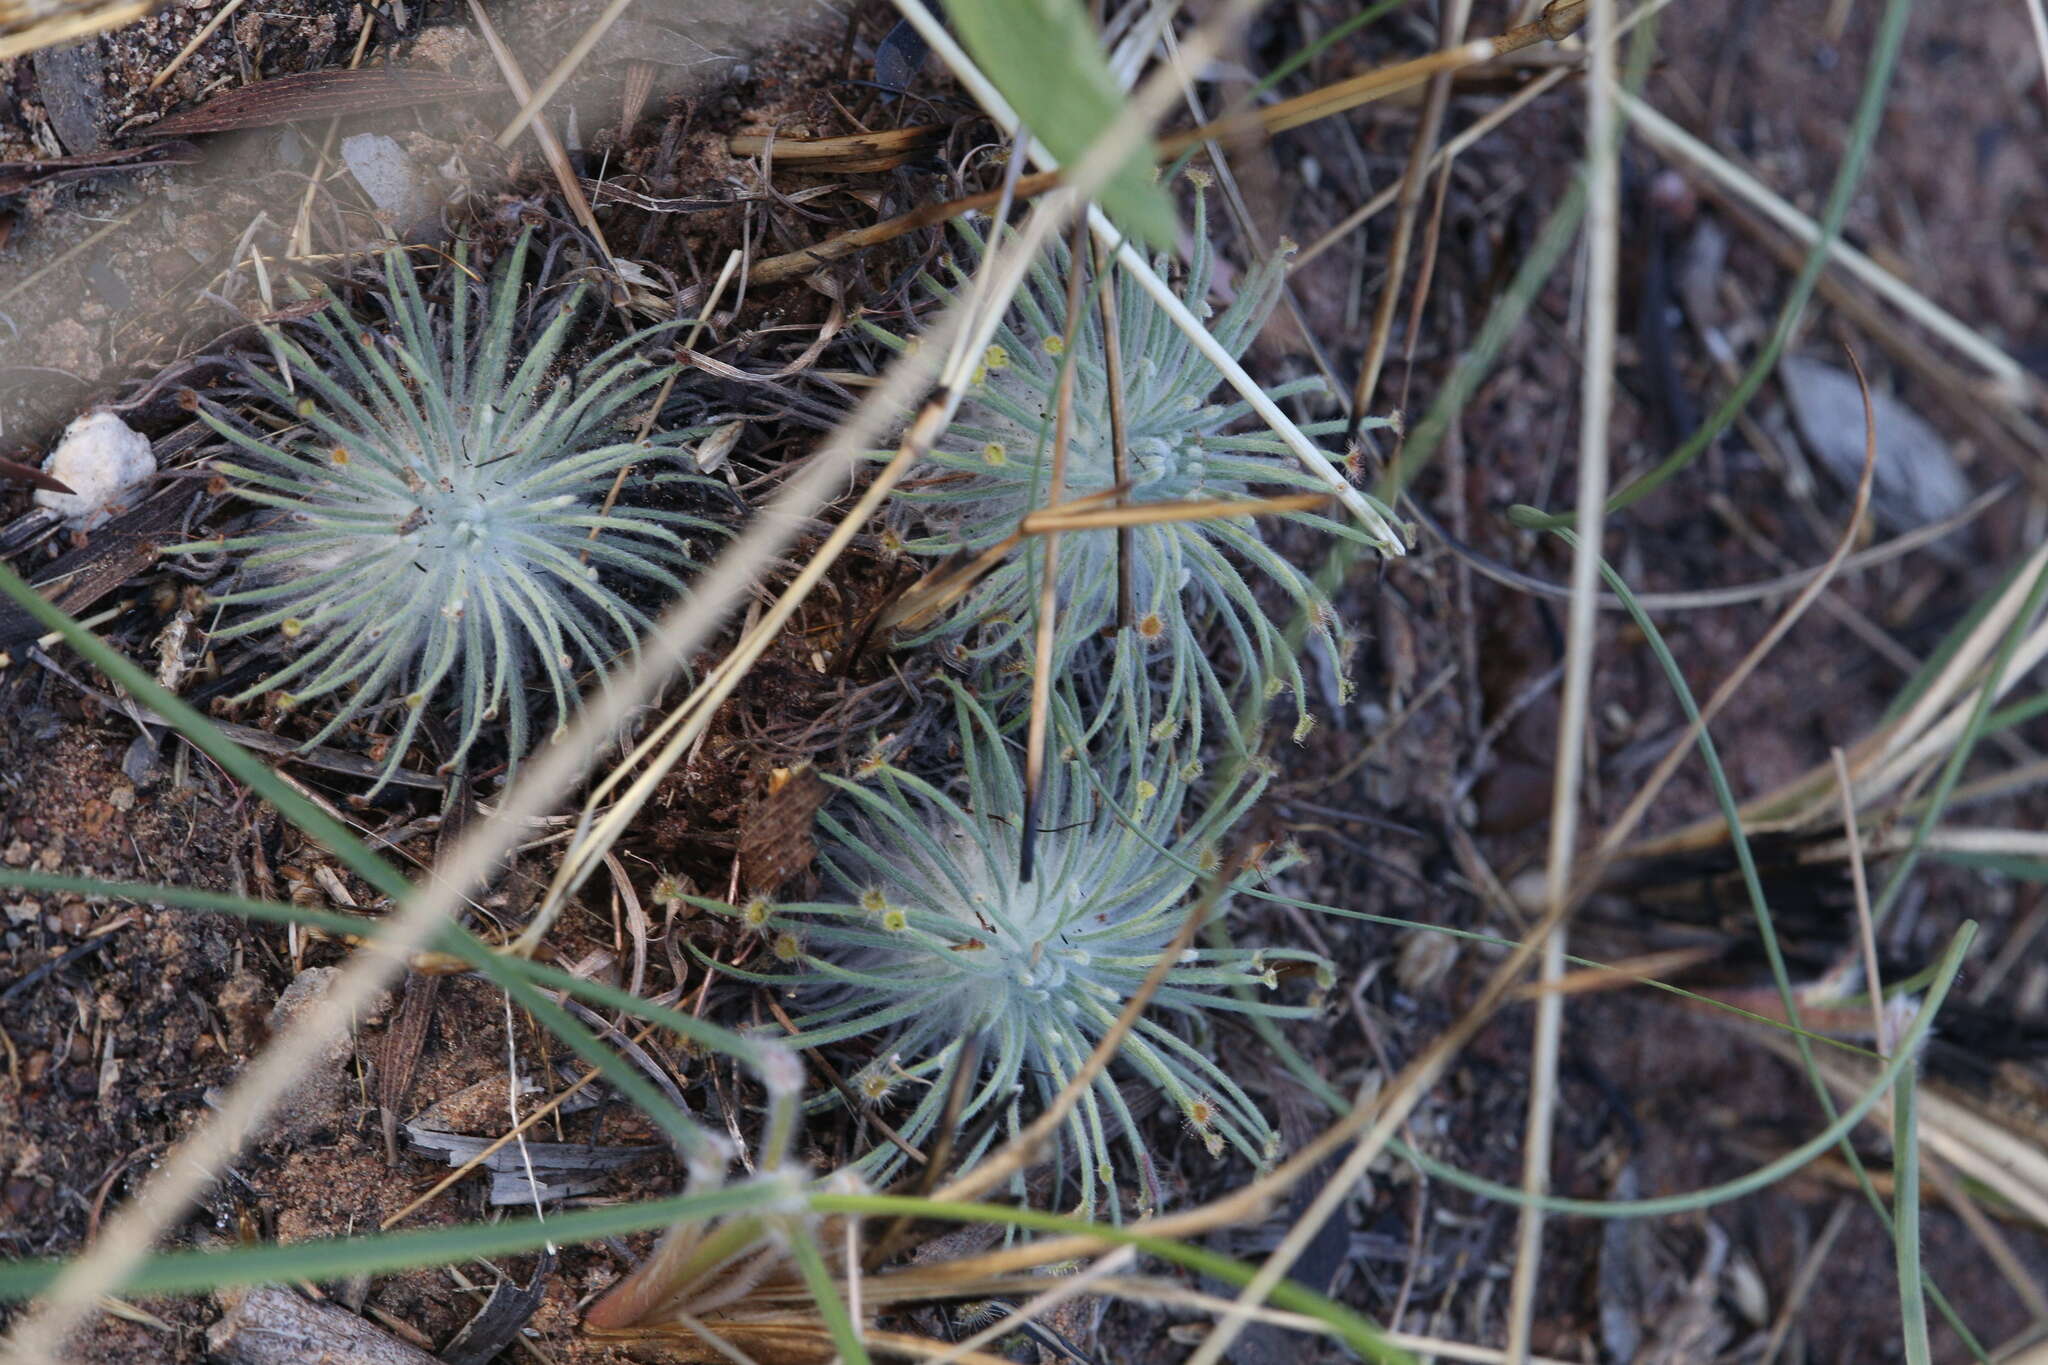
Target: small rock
(72, 81)
(1916, 480)
(102, 460)
(390, 177)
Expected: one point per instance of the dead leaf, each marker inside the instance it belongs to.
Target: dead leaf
(315, 94)
(775, 838)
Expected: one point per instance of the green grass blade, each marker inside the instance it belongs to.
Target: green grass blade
(1046, 59)
(803, 1249)
(195, 1272)
(1835, 1133)
(1966, 744)
(452, 939)
(1906, 1219)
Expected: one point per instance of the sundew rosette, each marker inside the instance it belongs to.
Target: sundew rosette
(435, 481)
(935, 950)
(1193, 597)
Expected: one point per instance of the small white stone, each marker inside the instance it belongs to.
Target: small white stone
(101, 459)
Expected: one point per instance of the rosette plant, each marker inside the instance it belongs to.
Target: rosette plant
(933, 948)
(434, 484)
(1192, 583)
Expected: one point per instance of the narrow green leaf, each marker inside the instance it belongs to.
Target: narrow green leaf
(1045, 58)
(191, 1272)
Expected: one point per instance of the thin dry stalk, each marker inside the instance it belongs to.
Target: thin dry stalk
(69, 23)
(1631, 971)
(951, 580)
(1339, 97)
(1997, 1246)
(857, 153)
(1002, 271)
(551, 147)
(531, 104)
(434, 1191)
(1881, 1028)
(1804, 1279)
(2008, 376)
(2012, 1164)
(1049, 560)
(1603, 231)
(211, 27)
(1063, 1289)
(1119, 443)
(2012, 433)
(1421, 156)
(1379, 203)
(1049, 520)
(704, 314)
(1632, 816)
(1327, 102)
(1884, 760)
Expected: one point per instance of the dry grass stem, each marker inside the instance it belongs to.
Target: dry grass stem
(551, 147)
(1421, 157)
(531, 103)
(1596, 398)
